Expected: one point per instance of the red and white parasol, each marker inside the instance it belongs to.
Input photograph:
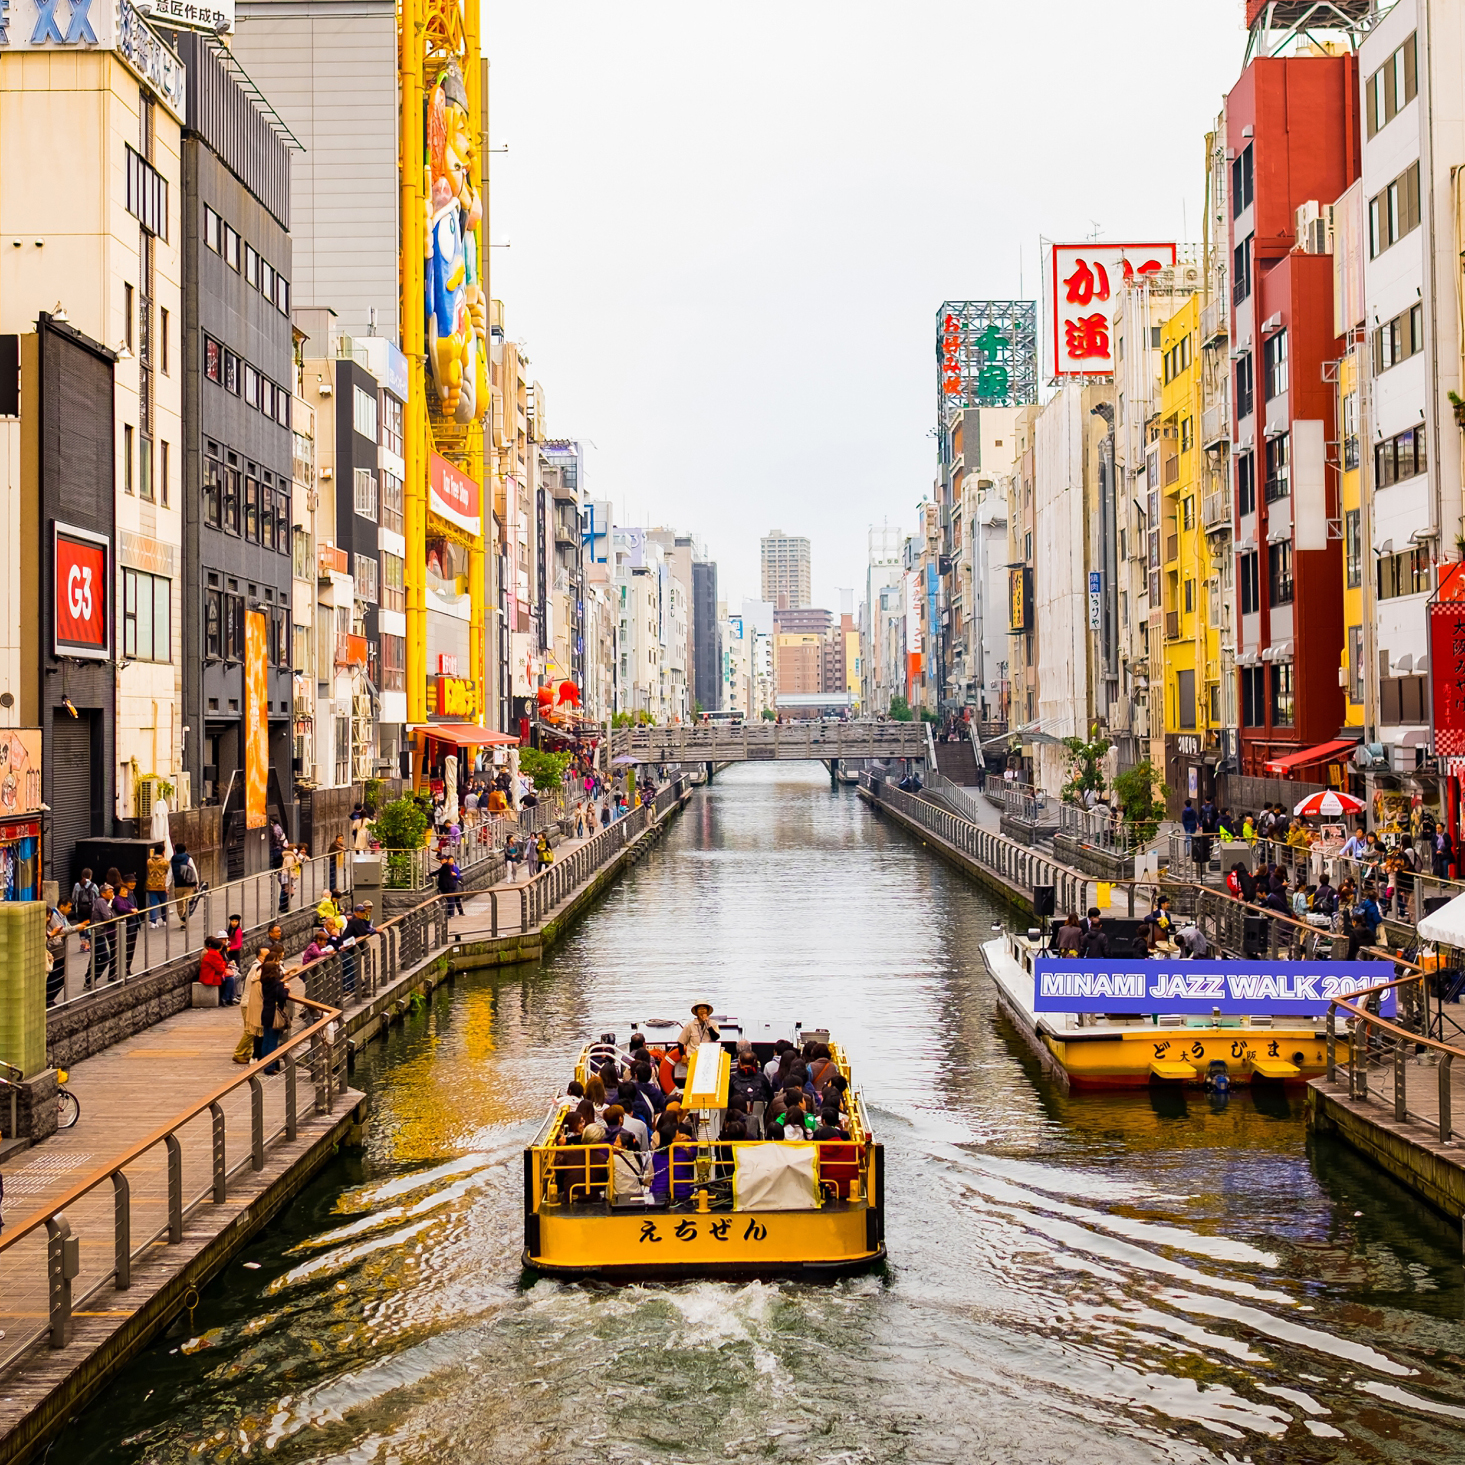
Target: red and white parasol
(1329, 804)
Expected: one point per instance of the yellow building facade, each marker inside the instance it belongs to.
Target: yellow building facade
(1191, 641)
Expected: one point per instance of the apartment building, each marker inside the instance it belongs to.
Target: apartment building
(786, 566)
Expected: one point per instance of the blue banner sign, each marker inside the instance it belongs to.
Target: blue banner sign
(1199, 988)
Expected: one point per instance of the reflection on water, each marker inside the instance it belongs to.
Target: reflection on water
(1128, 1277)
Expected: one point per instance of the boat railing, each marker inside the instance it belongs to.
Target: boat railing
(563, 1175)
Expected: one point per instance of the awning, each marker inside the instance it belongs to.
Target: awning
(465, 734)
(1323, 753)
(1446, 926)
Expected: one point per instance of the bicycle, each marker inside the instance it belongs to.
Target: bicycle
(68, 1106)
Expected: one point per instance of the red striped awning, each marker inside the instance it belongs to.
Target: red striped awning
(1323, 753)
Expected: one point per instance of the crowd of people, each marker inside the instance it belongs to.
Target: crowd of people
(630, 1114)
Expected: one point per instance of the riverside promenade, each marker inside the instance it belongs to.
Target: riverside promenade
(181, 1155)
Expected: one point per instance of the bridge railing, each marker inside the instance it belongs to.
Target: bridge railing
(719, 743)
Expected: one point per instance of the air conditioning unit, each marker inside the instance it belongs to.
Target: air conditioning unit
(1371, 757)
(1314, 223)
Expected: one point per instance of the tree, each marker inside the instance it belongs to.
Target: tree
(1142, 794)
(928, 716)
(768, 714)
(403, 823)
(1085, 774)
(546, 769)
(900, 709)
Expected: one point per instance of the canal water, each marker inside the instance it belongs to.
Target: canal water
(1140, 1277)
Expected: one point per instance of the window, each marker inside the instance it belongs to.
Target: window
(147, 619)
(1401, 700)
(1275, 351)
(300, 558)
(1284, 706)
(1353, 548)
(231, 499)
(213, 488)
(165, 472)
(1251, 600)
(1399, 339)
(251, 385)
(391, 502)
(267, 513)
(365, 493)
(366, 578)
(145, 468)
(1185, 698)
(1187, 512)
(147, 194)
(1393, 212)
(251, 266)
(1241, 271)
(1403, 574)
(128, 433)
(391, 419)
(1399, 457)
(231, 248)
(213, 625)
(266, 281)
(1279, 573)
(1392, 87)
(1245, 484)
(251, 508)
(301, 644)
(233, 377)
(282, 516)
(233, 627)
(343, 750)
(1355, 665)
(1350, 431)
(1189, 596)
(1154, 338)
(394, 593)
(1253, 707)
(213, 360)
(277, 636)
(1279, 481)
(1187, 434)
(1245, 386)
(394, 663)
(1242, 182)
(213, 231)
(128, 311)
(282, 407)
(282, 295)
(363, 412)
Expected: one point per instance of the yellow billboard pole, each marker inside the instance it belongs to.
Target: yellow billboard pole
(473, 77)
(417, 434)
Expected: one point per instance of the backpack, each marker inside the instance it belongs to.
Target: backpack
(85, 894)
(188, 875)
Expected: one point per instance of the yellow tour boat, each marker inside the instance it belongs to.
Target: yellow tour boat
(705, 1206)
(1097, 1050)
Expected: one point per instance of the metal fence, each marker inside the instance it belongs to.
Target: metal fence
(1105, 828)
(104, 953)
(1017, 800)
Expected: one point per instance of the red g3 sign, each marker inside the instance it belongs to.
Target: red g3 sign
(81, 566)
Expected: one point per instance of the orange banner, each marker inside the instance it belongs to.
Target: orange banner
(256, 722)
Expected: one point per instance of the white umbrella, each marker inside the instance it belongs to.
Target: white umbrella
(1329, 804)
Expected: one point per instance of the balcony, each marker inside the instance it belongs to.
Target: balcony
(1215, 425)
(1172, 548)
(567, 531)
(1214, 326)
(331, 561)
(1172, 470)
(1216, 511)
(351, 651)
(1172, 625)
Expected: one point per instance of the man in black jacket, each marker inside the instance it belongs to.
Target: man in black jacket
(1096, 942)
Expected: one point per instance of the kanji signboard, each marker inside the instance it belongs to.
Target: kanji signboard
(986, 355)
(1083, 280)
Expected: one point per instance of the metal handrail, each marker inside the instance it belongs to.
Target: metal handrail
(114, 944)
(63, 1248)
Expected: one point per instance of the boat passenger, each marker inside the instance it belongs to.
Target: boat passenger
(748, 1083)
(637, 1107)
(771, 1068)
(576, 1090)
(650, 1089)
(829, 1126)
(796, 1123)
(629, 1161)
(599, 1162)
(1096, 942)
(1070, 936)
(822, 1066)
(614, 1118)
(595, 1092)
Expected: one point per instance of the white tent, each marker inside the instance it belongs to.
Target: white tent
(1446, 927)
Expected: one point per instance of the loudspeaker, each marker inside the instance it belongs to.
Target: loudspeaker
(1254, 932)
(1432, 903)
(1045, 900)
(404, 762)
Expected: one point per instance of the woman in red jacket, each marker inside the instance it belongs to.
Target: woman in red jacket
(213, 969)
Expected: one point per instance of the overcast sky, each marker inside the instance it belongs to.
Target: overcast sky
(730, 227)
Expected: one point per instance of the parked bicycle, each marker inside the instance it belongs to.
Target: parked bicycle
(68, 1106)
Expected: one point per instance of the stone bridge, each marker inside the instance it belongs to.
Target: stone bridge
(762, 741)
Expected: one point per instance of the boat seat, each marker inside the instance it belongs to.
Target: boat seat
(1275, 1068)
(1174, 1068)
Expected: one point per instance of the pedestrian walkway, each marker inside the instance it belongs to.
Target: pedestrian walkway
(478, 918)
(126, 1093)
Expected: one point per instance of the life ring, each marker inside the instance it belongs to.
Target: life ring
(667, 1072)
